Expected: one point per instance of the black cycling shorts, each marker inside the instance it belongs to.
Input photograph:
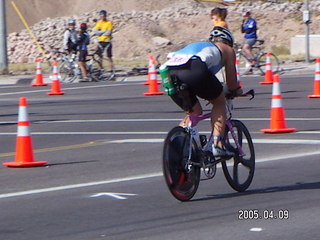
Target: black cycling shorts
(82, 55)
(105, 46)
(200, 81)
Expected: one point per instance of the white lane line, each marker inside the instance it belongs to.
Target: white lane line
(133, 178)
(128, 133)
(150, 120)
(162, 120)
(67, 88)
(256, 141)
(80, 185)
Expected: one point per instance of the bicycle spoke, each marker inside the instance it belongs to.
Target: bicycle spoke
(247, 163)
(241, 174)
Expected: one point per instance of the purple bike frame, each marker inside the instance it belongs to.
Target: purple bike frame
(196, 119)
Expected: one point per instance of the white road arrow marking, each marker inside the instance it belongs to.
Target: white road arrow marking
(119, 196)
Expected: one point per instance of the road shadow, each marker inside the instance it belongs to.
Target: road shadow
(294, 187)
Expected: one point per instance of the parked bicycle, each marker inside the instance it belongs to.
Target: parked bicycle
(70, 71)
(186, 152)
(245, 65)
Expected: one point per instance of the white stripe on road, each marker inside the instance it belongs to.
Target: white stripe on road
(70, 88)
(163, 120)
(148, 120)
(255, 141)
(134, 178)
(127, 133)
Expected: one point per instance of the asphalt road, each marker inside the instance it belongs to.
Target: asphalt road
(103, 180)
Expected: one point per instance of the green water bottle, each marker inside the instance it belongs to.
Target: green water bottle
(166, 81)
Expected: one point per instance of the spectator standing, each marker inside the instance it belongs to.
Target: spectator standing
(218, 16)
(70, 37)
(249, 28)
(82, 48)
(103, 29)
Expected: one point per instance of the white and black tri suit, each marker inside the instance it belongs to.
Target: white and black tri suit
(196, 65)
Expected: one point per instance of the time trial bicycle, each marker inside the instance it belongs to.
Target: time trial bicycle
(186, 152)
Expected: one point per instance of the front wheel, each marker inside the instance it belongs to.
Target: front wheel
(182, 182)
(239, 170)
(67, 72)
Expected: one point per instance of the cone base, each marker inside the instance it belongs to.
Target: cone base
(265, 82)
(55, 93)
(279, 130)
(38, 84)
(24, 164)
(313, 96)
(153, 93)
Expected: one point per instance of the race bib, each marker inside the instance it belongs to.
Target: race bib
(178, 60)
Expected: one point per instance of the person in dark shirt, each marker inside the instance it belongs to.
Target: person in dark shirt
(82, 48)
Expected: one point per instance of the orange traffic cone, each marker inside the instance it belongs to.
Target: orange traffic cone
(238, 72)
(268, 77)
(39, 77)
(316, 85)
(153, 84)
(151, 69)
(24, 152)
(55, 86)
(277, 121)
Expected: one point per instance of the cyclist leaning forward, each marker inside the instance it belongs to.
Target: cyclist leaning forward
(196, 66)
(103, 29)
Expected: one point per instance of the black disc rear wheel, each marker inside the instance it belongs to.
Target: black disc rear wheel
(182, 182)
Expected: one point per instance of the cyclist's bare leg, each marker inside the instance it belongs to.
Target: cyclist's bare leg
(110, 63)
(196, 110)
(247, 51)
(100, 62)
(83, 68)
(218, 118)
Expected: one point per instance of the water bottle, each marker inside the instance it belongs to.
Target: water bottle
(166, 81)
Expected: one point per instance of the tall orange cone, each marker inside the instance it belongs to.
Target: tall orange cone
(153, 83)
(151, 69)
(316, 85)
(238, 72)
(268, 77)
(277, 121)
(39, 77)
(24, 151)
(55, 86)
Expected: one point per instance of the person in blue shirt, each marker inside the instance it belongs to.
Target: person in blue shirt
(249, 28)
(195, 66)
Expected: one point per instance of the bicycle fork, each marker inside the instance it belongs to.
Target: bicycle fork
(239, 148)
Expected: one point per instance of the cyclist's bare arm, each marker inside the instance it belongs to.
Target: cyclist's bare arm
(229, 59)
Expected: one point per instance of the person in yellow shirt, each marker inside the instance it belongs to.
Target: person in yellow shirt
(218, 16)
(103, 29)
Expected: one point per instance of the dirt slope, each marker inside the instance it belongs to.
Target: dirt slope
(36, 10)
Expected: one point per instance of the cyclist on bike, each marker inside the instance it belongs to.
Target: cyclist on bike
(195, 66)
(82, 48)
(103, 29)
(70, 37)
(249, 28)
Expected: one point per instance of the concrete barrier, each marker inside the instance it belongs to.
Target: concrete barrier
(298, 45)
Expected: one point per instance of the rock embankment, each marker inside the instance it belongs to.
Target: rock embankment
(138, 33)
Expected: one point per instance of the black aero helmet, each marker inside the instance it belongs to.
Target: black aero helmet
(103, 12)
(221, 34)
